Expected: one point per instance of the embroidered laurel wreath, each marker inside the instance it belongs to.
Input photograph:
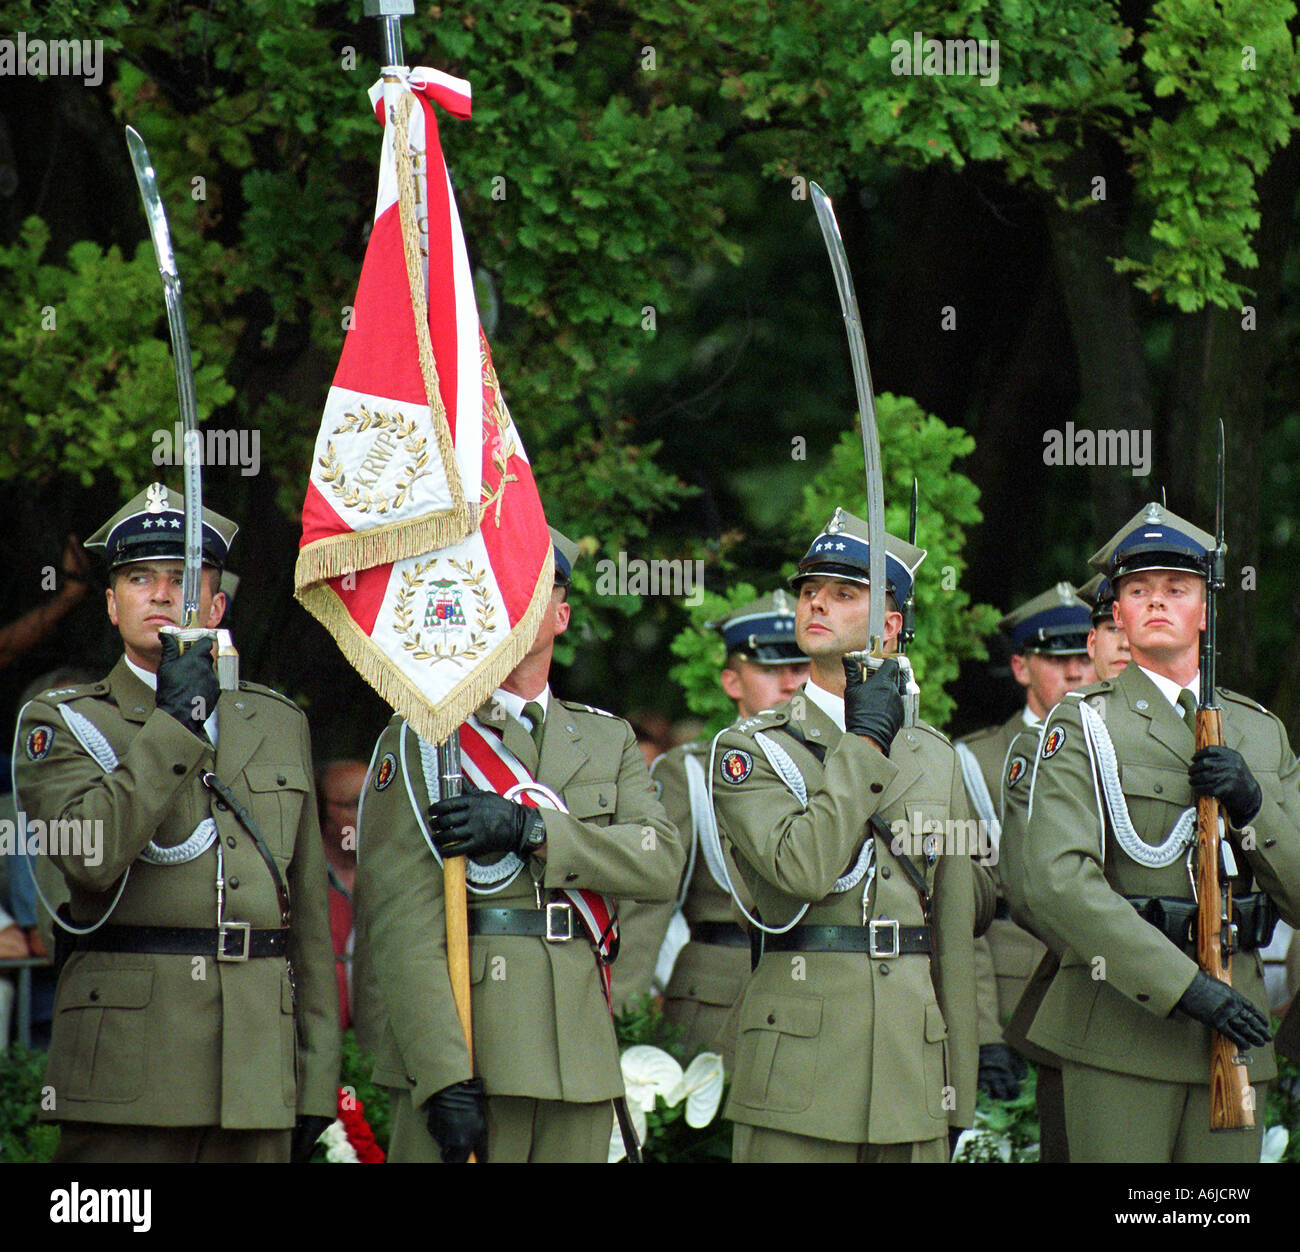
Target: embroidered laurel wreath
(399, 427)
(432, 650)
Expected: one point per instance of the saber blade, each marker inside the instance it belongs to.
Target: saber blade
(184, 367)
(867, 412)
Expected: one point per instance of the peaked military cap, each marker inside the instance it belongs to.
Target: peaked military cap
(842, 551)
(566, 556)
(152, 525)
(762, 631)
(1154, 539)
(1101, 595)
(1055, 623)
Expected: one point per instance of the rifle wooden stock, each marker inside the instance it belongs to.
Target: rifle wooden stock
(1231, 1098)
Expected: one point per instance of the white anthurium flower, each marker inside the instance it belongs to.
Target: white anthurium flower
(702, 1083)
(1273, 1148)
(648, 1072)
(617, 1149)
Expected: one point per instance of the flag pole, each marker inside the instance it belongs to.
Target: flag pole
(389, 14)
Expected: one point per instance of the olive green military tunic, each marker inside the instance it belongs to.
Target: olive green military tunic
(143, 1039)
(840, 1046)
(542, 1028)
(1007, 955)
(1049, 1092)
(1110, 1009)
(708, 977)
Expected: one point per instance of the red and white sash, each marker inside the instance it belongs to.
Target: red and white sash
(491, 766)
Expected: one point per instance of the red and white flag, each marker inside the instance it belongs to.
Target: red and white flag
(424, 547)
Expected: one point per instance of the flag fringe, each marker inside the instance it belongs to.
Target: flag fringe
(348, 553)
(419, 295)
(431, 722)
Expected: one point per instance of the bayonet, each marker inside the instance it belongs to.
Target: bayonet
(189, 631)
(908, 633)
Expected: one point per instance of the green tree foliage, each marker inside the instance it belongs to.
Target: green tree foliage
(79, 380)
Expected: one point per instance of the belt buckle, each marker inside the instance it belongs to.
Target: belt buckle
(240, 928)
(877, 925)
(554, 909)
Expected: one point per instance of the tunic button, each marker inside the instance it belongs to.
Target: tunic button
(178, 768)
(884, 969)
(234, 882)
(771, 1019)
(94, 995)
(221, 806)
(230, 841)
(1142, 999)
(876, 788)
(1268, 843)
(279, 780)
(884, 871)
(1159, 788)
(601, 800)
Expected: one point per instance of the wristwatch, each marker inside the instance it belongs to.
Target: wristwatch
(534, 836)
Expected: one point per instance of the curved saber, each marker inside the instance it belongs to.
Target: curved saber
(171, 280)
(867, 410)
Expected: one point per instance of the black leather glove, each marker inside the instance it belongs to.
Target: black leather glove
(305, 1133)
(458, 1121)
(479, 822)
(1223, 773)
(183, 679)
(873, 708)
(1000, 1071)
(1228, 1011)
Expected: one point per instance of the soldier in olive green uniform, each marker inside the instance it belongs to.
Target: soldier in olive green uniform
(1108, 649)
(857, 1029)
(763, 667)
(1047, 636)
(196, 1016)
(1103, 871)
(546, 1062)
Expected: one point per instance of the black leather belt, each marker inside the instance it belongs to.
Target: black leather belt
(554, 923)
(880, 938)
(720, 934)
(1253, 918)
(234, 941)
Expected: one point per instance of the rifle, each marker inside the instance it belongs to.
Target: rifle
(1231, 1097)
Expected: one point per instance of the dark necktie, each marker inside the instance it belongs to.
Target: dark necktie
(533, 711)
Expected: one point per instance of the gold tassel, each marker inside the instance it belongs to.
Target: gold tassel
(350, 553)
(419, 299)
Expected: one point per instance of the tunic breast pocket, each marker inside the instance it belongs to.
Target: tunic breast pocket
(99, 1039)
(278, 793)
(592, 802)
(776, 1055)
